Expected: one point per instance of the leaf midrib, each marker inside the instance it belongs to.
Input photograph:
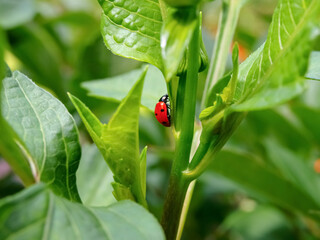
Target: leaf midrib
(40, 125)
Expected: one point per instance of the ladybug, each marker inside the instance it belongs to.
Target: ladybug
(162, 111)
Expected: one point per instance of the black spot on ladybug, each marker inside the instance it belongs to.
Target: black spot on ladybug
(164, 122)
(156, 114)
(162, 110)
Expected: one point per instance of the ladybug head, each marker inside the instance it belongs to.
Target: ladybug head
(164, 98)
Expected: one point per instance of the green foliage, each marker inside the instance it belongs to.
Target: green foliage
(132, 29)
(116, 88)
(262, 82)
(34, 46)
(262, 186)
(49, 137)
(309, 118)
(253, 174)
(268, 223)
(38, 213)
(119, 142)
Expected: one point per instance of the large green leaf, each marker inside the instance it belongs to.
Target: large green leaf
(119, 142)
(48, 133)
(132, 29)
(94, 191)
(37, 213)
(256, 176)
(116, 88)
(276, 72)
(16, 12)
(314, 66)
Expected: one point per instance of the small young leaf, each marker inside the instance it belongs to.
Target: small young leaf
(48, 132)
(131, 29)
(314, 66)
(119, 141)
(176, 34)
(116, 88)
(36, 213)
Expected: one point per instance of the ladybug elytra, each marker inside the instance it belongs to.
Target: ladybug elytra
(162, 111)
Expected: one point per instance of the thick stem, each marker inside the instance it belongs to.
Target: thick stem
(226, 28)
(178, 184)
(173, 206)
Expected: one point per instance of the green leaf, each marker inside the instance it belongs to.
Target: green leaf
(92, 123)
(94, 178)
(16, 12)
(256, 176)
(314, 66)
(48, 133)
(132, 29)
(116, 88)
(13, 154)
(176, 34)
(276, 72)
(37, 213)
(119, 141)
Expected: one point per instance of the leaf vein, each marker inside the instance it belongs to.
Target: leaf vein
(130, 30)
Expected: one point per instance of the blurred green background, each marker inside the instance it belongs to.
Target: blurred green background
(57, 43)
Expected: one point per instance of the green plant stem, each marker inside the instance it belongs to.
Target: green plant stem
(185, 114)
(227, 25)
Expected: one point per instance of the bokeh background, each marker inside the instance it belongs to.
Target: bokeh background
(57, 43)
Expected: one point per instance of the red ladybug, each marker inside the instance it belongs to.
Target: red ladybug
(162, 111)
